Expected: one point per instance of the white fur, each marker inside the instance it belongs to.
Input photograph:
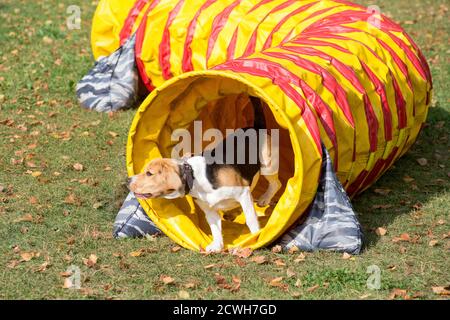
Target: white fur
(212, 200)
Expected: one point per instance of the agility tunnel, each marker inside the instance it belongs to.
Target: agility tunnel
(327, 72)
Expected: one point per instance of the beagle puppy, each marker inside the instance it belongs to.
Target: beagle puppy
(219, 179)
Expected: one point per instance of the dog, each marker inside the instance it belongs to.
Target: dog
(216, 184)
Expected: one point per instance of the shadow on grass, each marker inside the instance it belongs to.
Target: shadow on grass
(407, 196)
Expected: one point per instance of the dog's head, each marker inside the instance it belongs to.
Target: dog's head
(160, 179)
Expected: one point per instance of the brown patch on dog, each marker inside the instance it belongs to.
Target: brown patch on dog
(229, 177)
(160, 177)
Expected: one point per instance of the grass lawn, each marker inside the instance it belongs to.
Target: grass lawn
(48, 221)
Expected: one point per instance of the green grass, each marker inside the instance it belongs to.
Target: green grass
(51, 132)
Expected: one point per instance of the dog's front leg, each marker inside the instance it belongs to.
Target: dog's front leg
(215, 224)
(251, 218)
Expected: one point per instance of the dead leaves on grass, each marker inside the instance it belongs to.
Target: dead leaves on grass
(166, 279)
(259, 259)
(442, 291)
(91, 261)
(380, 231)
(222, 283)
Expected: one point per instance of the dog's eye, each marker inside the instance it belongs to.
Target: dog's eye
(171, 190)
(148, 173)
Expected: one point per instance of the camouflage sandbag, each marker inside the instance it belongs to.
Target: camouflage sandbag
(112, 84)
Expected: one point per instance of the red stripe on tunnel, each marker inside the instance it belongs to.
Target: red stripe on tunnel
(217, 26)
(328, 79)
(164, 46)
(252, 42)
(387, 26)
(140, 34)
(125, 33)
(269, 39)
(187, 53)
(351, 76)
(232, 46)
(381, 90)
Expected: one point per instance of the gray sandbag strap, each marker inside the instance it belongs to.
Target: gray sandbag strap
(132, 221)
(332, 223)
(112, 83)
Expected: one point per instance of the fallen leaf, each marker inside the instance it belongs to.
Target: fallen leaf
(433, 243)
(137, 253)
(298, 283)
(277, 249)
(166, 279)
(36, 174)
(313, 288)
(66, 274)
(68, 283)
(33, 200)
(403, 237)
(27, 256)
(43, 267)
(279, 262)
(422, 161)
(47, 40)
(97, 205)
(293, 250)
(276, 282)
(398, 293)
(236, 284)
(259, 259)
(241, 253)
(346, 256)
(190, 285)
(78, 167)
(183, 294)
(209, 266)
(91, 261)
(25, 218)
(300, 258)
(113, 134)
(290, 273)
(72, 199)
(408, 179)
(380, 231)
(443, 291)
(175, 249)
(383, 192)
(13, 263)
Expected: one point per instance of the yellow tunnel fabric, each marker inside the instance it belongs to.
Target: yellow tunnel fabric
(327, 71)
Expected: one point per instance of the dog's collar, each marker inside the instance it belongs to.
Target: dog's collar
(187, 176)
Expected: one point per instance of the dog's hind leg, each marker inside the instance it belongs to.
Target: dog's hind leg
(272, 189)
(251, 219)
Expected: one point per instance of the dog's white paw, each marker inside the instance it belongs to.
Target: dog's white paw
(214, 247)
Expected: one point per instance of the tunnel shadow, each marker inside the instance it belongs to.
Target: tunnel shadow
(404, 196)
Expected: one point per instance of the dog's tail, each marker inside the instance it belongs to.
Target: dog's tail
(260, 120)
